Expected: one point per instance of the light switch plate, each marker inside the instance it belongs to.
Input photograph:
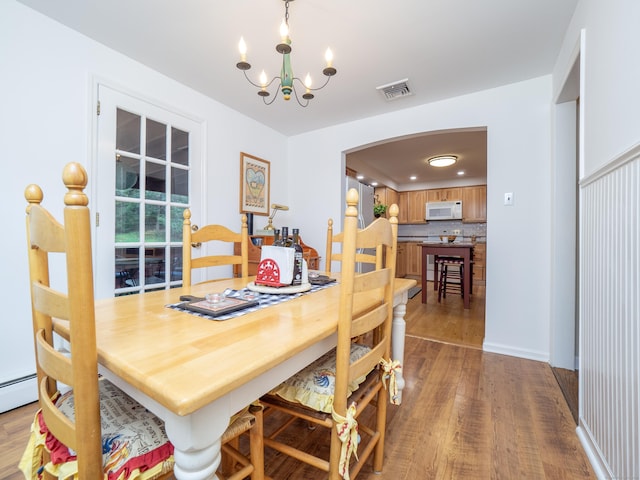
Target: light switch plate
(508, 199)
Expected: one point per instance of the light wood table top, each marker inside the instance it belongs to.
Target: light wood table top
(195, 372)
(185, 362)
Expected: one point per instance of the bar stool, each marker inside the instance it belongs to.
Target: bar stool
(450, 277)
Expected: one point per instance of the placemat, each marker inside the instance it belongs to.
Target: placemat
(264, 300)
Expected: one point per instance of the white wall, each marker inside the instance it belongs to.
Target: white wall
(46, 121)
(610, 338)
(517, 118)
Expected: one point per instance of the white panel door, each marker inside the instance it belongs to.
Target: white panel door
(148, 170)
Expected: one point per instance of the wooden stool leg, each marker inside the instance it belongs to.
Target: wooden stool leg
(442, 283)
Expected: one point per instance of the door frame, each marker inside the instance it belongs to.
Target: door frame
(197, 204)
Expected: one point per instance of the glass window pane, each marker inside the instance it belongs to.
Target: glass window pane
(154, 224)
(127, 222)
(154, 270)
(176, 224)
(179, 185)
(127, 131)
(179, 146)
(127, 266)
(127, 176)
(156, 139)
(156, 182)
(176, 263)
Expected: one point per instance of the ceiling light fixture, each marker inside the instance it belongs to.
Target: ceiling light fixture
(286, 78)
(443, 160)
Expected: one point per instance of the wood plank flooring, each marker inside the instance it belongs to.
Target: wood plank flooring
(466, 414)
(447, 321)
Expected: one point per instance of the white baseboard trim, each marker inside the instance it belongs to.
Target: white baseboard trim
(515, 352)
(594, 455)
(19, 393)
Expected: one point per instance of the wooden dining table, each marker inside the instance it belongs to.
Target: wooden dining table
(195, 373)
(463, 250)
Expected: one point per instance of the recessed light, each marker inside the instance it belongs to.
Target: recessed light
(443, 160)
(460, 172)
(359, 177)
(374, 184)
(412, 177)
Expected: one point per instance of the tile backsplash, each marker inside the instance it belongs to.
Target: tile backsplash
(443, 227)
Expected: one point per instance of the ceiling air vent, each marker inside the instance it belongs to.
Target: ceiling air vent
(395, 90)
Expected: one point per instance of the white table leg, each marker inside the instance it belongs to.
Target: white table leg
(398, 328)
(196, 441)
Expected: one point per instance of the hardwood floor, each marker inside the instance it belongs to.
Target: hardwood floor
(447, 321)
(466, 414)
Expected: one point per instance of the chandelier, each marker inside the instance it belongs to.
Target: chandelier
(286, 80)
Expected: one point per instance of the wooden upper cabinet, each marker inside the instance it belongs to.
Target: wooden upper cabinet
(445, 194)
(412, 203)
(417, 211)
(403, 205)
(387, 196)
(474, 204)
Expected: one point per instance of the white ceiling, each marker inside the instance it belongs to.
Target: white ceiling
(444, 48)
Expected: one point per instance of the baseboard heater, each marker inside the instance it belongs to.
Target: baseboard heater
(18, 392)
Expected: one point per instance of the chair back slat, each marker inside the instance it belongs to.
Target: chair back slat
(332, 256)
(52, 363)
(366, 363)
(73, 238)
(209, 234)
(49, 302)
(56, 421)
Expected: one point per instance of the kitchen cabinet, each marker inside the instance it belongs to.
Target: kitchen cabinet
(415, 207)
(387, 196)
(444, 194)
(403, 205)
(414, 259)
(474, 204)
(479, 263)
(401, 260)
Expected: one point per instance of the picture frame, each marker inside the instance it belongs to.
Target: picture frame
(255, 188)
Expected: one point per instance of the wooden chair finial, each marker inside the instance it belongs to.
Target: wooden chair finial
(394, 211)
(33, 194)
(352, 203)
(75, 179)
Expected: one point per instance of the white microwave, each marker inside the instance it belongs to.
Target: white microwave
(444, 210)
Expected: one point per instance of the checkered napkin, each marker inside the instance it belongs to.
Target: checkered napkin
(264, 300)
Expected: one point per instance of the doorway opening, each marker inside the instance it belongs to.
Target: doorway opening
(398, 169)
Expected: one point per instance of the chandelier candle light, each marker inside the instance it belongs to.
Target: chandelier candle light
(286, 78)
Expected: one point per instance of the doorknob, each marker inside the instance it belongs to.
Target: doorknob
(194, 228)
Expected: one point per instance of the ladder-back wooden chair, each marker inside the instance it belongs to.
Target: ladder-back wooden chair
(74, 417)
(194, 238)
(332, 256)
(336, 389)
(103, 442)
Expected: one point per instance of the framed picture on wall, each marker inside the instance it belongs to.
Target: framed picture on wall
(254, 184)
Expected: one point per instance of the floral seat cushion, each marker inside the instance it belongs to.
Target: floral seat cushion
(314, 385)
(134, 442)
